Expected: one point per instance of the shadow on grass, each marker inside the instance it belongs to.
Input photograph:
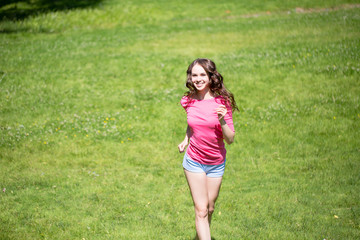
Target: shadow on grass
(212, 238)
(20, 9)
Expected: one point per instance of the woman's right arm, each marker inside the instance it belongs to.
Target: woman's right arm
(184, 143)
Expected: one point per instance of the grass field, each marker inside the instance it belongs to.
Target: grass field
(90, 118)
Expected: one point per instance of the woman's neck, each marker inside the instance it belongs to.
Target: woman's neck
(203, 95)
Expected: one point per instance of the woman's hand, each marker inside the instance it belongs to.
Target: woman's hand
(221, 112)
(228, 134)
(185, 142)
(182, 145)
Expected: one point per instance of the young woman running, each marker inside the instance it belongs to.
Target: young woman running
(209, 106)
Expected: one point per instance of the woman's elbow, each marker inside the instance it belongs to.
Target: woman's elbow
(230, 140)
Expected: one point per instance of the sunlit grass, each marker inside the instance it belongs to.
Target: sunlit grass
(90, 120)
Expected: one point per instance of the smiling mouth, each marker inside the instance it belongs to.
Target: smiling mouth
(199, 83)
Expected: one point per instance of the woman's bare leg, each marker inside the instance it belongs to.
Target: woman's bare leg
(199, 191)
(214, 185)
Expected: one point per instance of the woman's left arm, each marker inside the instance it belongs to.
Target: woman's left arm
(228, 134)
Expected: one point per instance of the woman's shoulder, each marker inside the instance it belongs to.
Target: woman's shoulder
(185, 97)
(185, 100)
(222, 100)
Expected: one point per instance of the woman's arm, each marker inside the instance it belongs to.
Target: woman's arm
(185, 142)
(228, 134)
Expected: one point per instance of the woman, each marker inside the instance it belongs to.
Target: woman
(209, 107)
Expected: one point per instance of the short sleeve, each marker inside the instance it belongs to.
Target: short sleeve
(228, 118)
(184, 102)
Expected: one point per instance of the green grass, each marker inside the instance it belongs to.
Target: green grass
(90, 120)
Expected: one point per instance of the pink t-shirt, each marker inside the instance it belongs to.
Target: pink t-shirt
(206, 139)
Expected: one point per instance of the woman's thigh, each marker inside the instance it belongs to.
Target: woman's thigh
(213, 186)
(198, 188)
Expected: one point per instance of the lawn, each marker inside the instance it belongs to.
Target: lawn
(90, 118)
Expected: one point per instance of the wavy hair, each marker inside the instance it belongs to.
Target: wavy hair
(216, 82)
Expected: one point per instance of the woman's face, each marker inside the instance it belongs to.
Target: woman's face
(200, 78)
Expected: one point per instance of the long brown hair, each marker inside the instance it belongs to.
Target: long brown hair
(217, 86)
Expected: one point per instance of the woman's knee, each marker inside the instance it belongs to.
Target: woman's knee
(201, 211)
(211, 210)
(211, 207)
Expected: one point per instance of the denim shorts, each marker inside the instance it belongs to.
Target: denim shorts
(210, 170)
